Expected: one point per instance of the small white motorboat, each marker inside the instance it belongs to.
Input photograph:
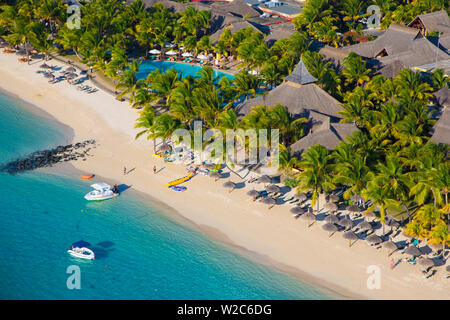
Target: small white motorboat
(83, 253)
(102, 191)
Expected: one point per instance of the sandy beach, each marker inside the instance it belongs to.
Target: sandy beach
(272, 236)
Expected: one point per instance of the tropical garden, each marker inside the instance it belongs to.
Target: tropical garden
(389, 161)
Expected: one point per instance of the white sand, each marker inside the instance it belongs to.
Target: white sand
(274, 236)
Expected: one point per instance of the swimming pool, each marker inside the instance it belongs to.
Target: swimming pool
(148, 66)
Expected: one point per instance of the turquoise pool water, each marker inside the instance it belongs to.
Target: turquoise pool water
(148, 66)
(141, 252)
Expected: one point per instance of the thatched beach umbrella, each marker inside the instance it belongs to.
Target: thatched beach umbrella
(350, 236)
(71, 69)
(309, 216)
(392, 223)
(435, 246)
(22, 52)
(447, 268)
(253, 193)
(230, 185)
(45, 66)
(426, 262)
(71, 76)
(333, 198)
(331, 228)
(209, 166)
(165, 147)
(3, 44)
(301, 197)
(264, 179)
(330, 206)
(373, 239)
(273, 188)
(364, 226)
(370, 215)
(353, 208)
(346, 223)
(297, 210)
(356, 198)
(390, 245)
(270, 201)
(216, 175)
(49, 76)
(331, 219)
(413, 251)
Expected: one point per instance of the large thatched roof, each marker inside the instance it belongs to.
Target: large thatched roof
(175, 6)
(329, 135)
(392, 69)
(300, 74)
(234, 26)
(434, 21)
(334, 55)
(441, 129)
(236, 7)
(298, 99)
(395, 40)
(442, 97)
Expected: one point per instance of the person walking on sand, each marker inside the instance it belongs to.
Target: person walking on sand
(124, 170)
(154, 169)
(392, 264)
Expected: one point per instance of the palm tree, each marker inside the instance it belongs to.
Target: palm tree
(316, 176)
(354, 70)
(128, 81)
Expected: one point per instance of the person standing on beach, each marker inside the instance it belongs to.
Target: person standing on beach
(124, 170)
(154, 169)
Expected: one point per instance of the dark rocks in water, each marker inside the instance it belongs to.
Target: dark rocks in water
(48, 158)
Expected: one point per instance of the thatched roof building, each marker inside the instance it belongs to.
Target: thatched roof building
(434, 21)
(328, 134)
(299, 94)
(234, 26)
(442, 97)
(392, 69)
(441, 129)
(237, 8)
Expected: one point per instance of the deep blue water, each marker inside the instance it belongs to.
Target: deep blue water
(141, 252)
(148, 66)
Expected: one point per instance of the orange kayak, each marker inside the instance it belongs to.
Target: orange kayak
(87, 176)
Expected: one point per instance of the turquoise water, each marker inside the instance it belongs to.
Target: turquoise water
(148, 66)
(141, 252)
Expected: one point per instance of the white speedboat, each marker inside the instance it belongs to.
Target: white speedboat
(83, 253)
(102, 192)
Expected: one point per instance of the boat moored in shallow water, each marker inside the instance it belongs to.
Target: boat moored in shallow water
(102, 191)
(83, 253)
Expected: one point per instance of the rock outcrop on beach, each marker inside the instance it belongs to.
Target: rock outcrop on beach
(48, 158)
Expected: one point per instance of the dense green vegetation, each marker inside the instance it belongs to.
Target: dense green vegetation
(389, 161)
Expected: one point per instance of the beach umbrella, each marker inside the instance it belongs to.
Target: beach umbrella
(209, 165)
(271, 201)
(392, 223)
(154, 51)
(264, 179)
(426, 262)
(435, 246)
(301, 197)
(333, 198)
(331, 206)
(370, 215)
(252, 193)
(186, 54)
(346, 223)
(165, 147)
(45, 66)
(390, 245)
(49, 75)
(331, 219)
(413, 251)
(202, 57)
(21, 52)
(353, 208)
(297, 210)
(171, 53)
(71, 76)
(216, 175)
(71, 69)
(374, 239)
(356, 198)
(309, 216)
(273, 188)
(331, 228)
(230, 185)
(364, 226)
(350, 236)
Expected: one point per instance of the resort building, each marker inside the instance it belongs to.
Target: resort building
(327, 134)
(233, 26)
(442, 97)
(438, 21)
(441, 129)
(300, 95)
